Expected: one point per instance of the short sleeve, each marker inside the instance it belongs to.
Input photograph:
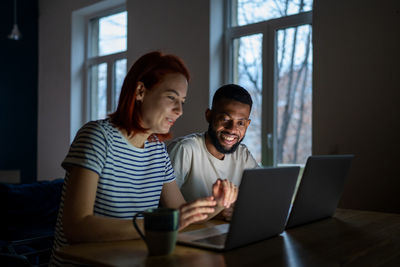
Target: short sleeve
(169, 171)
(180, 159)
(250, 162)
(89, 149)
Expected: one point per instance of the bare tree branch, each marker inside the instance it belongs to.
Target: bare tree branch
(302, 97)
(283, 45)
(287, 113)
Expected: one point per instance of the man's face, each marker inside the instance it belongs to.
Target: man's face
(228, 122)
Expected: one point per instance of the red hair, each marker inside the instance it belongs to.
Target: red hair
(148, 69)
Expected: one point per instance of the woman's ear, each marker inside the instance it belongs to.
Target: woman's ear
(140, 91)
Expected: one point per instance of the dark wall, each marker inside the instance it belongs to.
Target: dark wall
(18, 89)
(356, 93)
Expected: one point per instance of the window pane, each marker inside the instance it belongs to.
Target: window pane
(247, 72)
(119, 74)
(108, 34)
(294, 91)
(252, 11)
(98, 91)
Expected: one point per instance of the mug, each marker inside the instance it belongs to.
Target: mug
(161, 229)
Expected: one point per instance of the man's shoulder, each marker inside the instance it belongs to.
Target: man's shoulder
(243, 154)
(187, 141)
(242, 148)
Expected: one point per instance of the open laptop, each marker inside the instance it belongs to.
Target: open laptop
(320, 188)
(260, 212)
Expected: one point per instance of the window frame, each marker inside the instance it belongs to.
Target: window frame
(109, 60)
(268, 29)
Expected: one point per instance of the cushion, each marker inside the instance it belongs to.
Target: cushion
(29, 210)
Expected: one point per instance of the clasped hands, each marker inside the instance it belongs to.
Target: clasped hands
(224, 195)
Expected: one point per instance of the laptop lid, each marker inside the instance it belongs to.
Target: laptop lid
(320, 188)
(260, 211)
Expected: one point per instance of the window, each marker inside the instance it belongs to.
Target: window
(106, 62)
(269, 52)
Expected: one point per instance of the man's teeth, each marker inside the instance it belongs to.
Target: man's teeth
(228, 138)
(170, 120)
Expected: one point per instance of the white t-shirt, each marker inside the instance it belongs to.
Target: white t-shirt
(197, 170)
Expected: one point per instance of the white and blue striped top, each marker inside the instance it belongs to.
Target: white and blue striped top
(130, 178)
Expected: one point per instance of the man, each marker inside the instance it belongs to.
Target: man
(199, 159)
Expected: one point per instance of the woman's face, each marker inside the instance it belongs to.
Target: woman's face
(162, 104)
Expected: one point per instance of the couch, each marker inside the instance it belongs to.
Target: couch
(28, 218)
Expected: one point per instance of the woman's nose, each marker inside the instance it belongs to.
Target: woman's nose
(178, 109)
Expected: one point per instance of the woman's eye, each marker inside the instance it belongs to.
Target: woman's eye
(171, 97)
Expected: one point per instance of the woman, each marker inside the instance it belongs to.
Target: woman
(119, 166)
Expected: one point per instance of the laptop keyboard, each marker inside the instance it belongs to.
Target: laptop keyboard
(215, 240)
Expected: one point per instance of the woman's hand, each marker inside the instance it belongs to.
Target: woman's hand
(224, 192)
(196, 211)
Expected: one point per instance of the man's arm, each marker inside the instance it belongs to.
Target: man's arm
(249, 162)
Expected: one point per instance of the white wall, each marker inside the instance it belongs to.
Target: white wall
(173, 26)
(356, 94)
(54, 84)
(182, 28)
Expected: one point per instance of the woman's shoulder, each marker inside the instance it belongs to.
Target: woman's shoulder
(100, 128)
(103, 124)
(154, 143)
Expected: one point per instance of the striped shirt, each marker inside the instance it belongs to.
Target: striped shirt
(130, 178)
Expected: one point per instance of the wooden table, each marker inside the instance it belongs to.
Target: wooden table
(350, 238)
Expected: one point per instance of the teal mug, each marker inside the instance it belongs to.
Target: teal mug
(161, 229)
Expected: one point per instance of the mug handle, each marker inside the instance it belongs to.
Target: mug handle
(136, 227)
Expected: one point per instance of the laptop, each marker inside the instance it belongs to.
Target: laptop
(261, 210)
(320, 188)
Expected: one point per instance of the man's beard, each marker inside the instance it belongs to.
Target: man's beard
(214, 140)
